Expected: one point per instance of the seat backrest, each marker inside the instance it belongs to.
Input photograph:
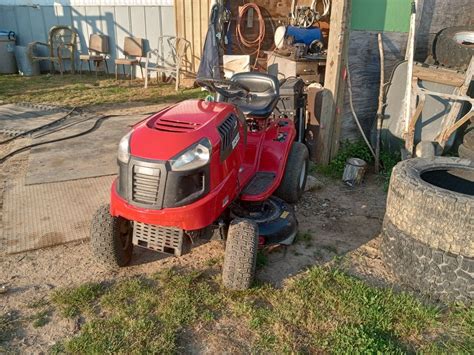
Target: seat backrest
(99, 43)
(133, 47)
(260, 84)
(61, 36)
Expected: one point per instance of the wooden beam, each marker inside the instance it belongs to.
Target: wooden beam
(337, 48)
(438, 75)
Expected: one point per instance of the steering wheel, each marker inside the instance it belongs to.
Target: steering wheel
(227, 88)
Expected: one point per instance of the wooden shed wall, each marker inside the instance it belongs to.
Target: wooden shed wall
(192, 20)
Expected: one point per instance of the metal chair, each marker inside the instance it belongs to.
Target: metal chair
(98, 52)
(170, 57)
(62, 45)
(132, 49)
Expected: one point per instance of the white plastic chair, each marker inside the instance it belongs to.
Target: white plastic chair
(168, 58)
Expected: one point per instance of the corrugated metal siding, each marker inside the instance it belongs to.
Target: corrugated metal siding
(33, 23)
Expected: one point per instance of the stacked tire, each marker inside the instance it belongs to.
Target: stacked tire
(466, 149)
(453, 47)
(428, 229)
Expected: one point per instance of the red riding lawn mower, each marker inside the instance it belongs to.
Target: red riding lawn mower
(225, 168)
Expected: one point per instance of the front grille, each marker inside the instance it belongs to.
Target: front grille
(145, 185)
(163, 239)
(226, 131)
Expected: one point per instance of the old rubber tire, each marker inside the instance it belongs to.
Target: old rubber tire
(240, 254)
(439, 274)
(429, 224)
(468, 139)
(449, 51)
(111, 238)
(466, 149)
(466, 152)
(296, 171)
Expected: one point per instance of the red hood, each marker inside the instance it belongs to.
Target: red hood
(172, 130)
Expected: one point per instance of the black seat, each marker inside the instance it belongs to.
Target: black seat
(264, 94)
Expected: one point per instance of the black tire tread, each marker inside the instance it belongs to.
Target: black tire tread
(289, 189)
(437, 273)
(107, 249)
(450, 53)
(240, 254)
(439, 218)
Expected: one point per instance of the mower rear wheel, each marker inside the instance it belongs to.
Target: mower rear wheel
(111, 238)
(292, 185)
(240, 254)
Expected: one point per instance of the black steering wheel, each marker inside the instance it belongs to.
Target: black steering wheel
(227, 88)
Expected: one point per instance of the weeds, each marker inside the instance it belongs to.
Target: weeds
(324, 310)
(305, 238)
(8, 327)
(41, 318)
(359, 150)
(74, 301)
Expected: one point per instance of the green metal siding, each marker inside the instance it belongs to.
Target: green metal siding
(381, 15)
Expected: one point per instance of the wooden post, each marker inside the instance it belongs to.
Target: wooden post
(379, 117)
(337, 48)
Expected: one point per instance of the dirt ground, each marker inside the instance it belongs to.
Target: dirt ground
(336, 222)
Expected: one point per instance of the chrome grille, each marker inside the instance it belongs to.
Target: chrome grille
(145, 185)
(159, 238)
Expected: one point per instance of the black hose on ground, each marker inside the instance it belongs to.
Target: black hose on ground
(96, 125)
(38, 128)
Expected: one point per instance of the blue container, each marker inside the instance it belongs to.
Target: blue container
(301, 35)
(304, 35)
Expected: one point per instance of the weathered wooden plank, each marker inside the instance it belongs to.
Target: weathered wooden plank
(333, 76)
(138, 24)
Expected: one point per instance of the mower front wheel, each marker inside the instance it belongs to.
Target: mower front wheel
(240, 254)
(292, 185)
(111, 238)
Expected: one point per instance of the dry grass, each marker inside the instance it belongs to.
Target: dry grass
(86, 90)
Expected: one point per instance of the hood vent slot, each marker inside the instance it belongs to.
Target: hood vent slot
(174, 126)
(227, 131)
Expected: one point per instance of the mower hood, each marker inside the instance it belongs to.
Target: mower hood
(174, 129)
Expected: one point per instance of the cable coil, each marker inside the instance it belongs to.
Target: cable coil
(242, 40)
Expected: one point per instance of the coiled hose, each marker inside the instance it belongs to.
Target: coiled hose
(245, 42)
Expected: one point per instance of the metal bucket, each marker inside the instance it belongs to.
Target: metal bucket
(354, 171)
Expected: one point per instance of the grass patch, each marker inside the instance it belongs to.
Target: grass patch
(305, 238)
(324, 310)
(75, 301)
(8, 327)
(41, 318)
(86, 90)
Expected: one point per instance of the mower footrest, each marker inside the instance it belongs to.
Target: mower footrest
(163, 239)
(259, 183)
